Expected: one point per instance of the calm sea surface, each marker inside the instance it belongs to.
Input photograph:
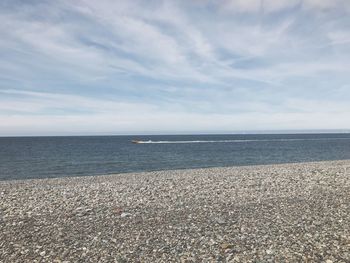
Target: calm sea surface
(42, 157)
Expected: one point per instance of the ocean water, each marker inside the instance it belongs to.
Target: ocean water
(43, 157)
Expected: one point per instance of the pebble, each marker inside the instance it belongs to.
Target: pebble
(269, 251)
(125, 215)
(270, 213)
(226, 246)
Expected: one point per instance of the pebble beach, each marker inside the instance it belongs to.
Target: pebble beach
(270, 213)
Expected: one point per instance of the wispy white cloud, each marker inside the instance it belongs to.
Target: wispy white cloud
(173, 65)
(121, 124)
(43, 103)
(248, 6)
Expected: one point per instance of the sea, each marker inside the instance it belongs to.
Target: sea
(49, 157)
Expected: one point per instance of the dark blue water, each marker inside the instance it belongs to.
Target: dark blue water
(42, 157)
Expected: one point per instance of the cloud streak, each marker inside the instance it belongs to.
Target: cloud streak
(173, 66)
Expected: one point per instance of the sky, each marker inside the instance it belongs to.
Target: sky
(201, 66)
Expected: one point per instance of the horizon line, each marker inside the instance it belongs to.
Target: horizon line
(249, 132)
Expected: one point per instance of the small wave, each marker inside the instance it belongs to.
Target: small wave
(242, 141)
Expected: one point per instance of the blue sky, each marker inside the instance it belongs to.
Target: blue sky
(119, 67)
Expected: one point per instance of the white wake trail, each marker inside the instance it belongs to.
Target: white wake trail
(242, 141)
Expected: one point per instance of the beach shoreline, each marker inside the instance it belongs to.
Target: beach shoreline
(297, 212)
